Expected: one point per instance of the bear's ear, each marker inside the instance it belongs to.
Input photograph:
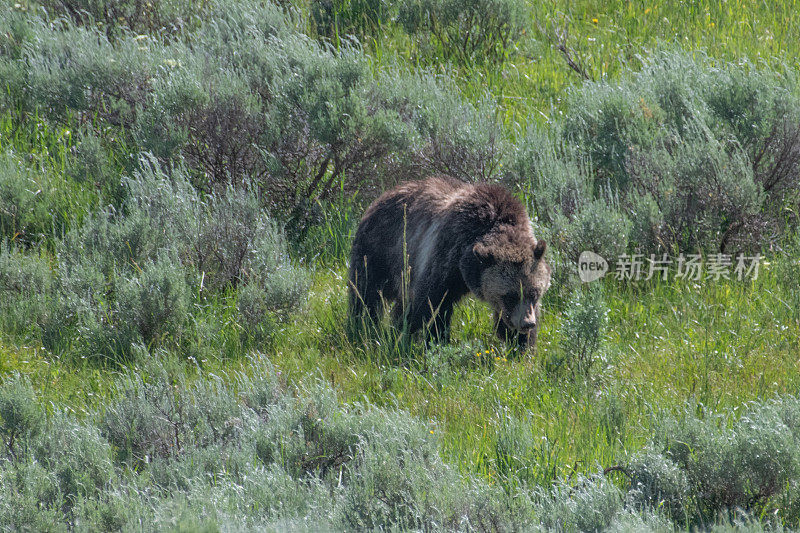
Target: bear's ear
(538, 250)
(483, 252)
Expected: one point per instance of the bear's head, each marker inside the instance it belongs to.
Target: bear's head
(510, 276)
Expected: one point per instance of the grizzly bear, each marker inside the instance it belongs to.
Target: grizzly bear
(425, 244)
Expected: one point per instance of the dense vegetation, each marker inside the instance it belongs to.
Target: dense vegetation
(179, 184)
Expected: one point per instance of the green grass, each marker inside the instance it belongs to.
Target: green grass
(58, 198)
(719, 344)
(606, 38)
(668, 345)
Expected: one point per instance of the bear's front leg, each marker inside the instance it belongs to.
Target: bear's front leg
(433, 318)
(524, 341)
(438, 329)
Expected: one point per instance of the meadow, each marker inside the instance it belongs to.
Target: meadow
(179, 186)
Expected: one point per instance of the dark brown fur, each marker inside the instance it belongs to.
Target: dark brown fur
(426, 244)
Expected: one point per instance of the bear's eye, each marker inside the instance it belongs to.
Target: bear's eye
(511, 299)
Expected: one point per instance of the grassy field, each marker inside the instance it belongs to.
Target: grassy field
(232, 388)
(607, 38)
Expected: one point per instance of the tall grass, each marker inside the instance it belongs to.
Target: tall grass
(607, 38)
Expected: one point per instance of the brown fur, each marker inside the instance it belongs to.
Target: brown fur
(426, 244)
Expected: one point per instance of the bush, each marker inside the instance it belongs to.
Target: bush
(126, 275)
(312, 436)
(658, 483)
(67, 70)
(156, 302)
(247, 99)
(447, 135)
(398, 480)
(79, 457)
(516, 452)
(149, 418)
(95, 166)
(36, 202)
(108, 269)
(685, 146)
(582, 330)
(249, 451)
(700, 469)
(557, 183)
(17, 198)
(263, 390)
(597, 226)
(238, 242)
(703, 192)
(31, 500)
(26, 286)
(321, 146)
(468, 32)
(165, 17)
(266, 115)
(591, 504)
(20, 415)
(107, 242)
(164, 197)
(161, 417)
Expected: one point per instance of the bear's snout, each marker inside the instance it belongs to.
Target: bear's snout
(523, 318)
(527, 324)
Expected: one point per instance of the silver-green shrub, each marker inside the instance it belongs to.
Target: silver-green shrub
(658, 483)
(247, 97)
(31, 499)
(20, 415)
(36, 203)
(682, 156)
(130, 276)
(157, 301)
(398, 480)
(78, 455)
(582, 330)
(255, 452)
(568, 210)
(163, 418)
(698, 193)
(76, 70)
(149, 419)
(591, 503)
(117, 287)
(516, 452)
(697, 469)
(93, 164)
(158, 17)
(446, 135)
(26, 289)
